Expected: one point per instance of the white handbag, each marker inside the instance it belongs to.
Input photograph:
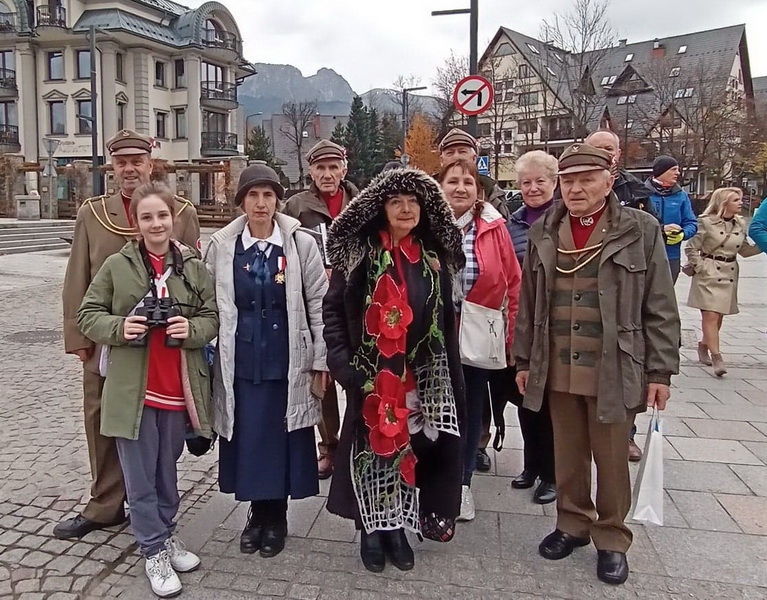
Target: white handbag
(482, 337)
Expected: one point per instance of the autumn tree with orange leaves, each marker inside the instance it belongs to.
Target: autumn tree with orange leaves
(420, 145)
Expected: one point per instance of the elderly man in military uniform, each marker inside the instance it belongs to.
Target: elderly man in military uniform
(102, 228)
(597, 330)
(316, 208)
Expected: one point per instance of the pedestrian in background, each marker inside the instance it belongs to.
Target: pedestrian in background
(712, 262)
(269, 281)
(673, 206)
(316, 208)
(103, 225)
(490, 279)
(598, 333)
(156, 378)
(537, 178)
(393, 346)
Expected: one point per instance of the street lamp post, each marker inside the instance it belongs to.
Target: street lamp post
(473, 12)
(404, 112)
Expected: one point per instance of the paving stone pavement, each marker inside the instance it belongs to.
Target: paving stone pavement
(714, 543)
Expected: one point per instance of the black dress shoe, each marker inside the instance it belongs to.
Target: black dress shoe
(78, 526)
(612, 567)
(559, 544)
(273, 539)
(526, 479)
(398, 550)
(483, 461)
(545, 493)
(250, 539)
(372, 551)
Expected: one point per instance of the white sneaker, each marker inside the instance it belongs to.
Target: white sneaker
(467, 505)
(181, 559)
(165, 582)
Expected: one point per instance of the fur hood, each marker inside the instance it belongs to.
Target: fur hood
(349, 233)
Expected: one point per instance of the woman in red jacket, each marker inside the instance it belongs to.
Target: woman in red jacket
(485, 293)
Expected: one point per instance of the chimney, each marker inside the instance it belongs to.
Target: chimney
(658, 49)
(317, 130)
(622, 43)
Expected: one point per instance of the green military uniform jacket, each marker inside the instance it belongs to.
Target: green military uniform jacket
(101, 230)
(114, 292)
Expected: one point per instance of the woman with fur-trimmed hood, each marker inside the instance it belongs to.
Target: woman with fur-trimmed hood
(392, 344)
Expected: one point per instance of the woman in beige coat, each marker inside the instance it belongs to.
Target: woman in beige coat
(712, 263)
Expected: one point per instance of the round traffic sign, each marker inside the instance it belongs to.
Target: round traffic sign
(473, 95)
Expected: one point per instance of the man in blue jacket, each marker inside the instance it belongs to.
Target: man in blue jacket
(673, 206)
(758, 229)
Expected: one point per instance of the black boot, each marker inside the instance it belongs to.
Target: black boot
(275, 529)
(398, 550)
(372, 551)
(250, 539)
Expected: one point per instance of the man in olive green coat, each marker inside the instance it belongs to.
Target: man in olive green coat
(597, 331)
(102, 228)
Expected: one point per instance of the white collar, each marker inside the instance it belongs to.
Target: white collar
(248, 240)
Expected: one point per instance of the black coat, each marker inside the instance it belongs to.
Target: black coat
(440, 465)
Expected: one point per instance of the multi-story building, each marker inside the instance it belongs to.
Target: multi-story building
(162, 69)
(688, 95)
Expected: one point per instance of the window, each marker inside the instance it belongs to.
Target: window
(629, 123)
(9, 114)
(550, 72)
(605, 80)
(83, 64)
(55, 66)
(508, 135)
(484, 129)
(528, 126)
(675, 72)
(612, 79)
(504, 90)
(528, 99)
(121, 116)
(632, 99)
(682, 50)
(679, 93)
(84, 109)
(508, 149)
(622, 99)
(524, 71)
(504, 49)
(161, 125)
(8, 60)
(120, 66)
(557, 56)
(214, 122)
(533, 49)
(179, 73)
(213, 74)
(179, 116)
(629, 57)
(689, 92)
(159, 73)
(57, 117)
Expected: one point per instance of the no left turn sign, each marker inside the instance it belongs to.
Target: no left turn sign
(473, 95)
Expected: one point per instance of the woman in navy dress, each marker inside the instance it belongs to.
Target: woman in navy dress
(270, 282)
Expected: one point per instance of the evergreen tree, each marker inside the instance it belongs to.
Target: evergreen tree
(358, 143)
(391, 137)
(339, 134)
(376, 143)
(258, 146)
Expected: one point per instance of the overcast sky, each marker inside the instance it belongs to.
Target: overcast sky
(371, 42)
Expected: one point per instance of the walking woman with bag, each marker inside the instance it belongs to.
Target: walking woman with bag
(392, 344)
(152, 307)
(485, 296)
(269, 281)
(712, 262)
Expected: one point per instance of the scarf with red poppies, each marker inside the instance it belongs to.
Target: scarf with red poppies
(408, 388)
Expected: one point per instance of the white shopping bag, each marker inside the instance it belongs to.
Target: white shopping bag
(648, 491)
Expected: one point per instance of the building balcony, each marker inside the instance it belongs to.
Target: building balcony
(556, 135)
(51, 16)
(219, 143)
(221, 40)
(7, 22)
(221, 96)
(9, 138)
(8, 87)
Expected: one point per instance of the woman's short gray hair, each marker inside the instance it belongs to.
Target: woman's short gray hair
(537, 159)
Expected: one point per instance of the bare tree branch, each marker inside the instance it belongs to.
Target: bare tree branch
(299, 115)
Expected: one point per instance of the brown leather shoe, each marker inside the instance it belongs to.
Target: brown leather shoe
(324, 466)
(635, 452)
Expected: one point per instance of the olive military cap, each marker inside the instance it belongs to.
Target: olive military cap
(583, 157)
(458, 137)
(129, 142)
(325, 149)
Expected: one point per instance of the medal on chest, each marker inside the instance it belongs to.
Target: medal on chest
(279, 277)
